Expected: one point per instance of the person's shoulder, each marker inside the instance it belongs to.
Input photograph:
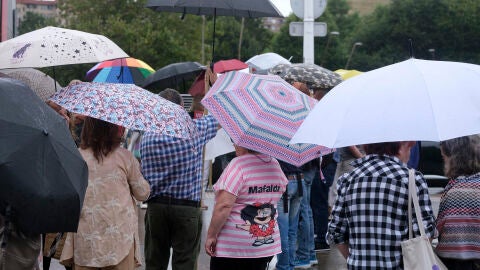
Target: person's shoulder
(206, 119)
(123, 153)
(153, 138)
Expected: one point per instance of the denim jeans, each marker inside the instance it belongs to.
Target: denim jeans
(288, 225)
(319, 201)
(306, 246)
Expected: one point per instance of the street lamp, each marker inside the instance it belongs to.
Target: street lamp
(324, 54)
(351, 53)
(432, 53)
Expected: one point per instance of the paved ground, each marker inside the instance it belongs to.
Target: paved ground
(327, 260)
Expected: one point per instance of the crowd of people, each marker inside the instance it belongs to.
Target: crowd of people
(354, 200)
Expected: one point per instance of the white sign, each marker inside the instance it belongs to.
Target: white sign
(318, 7)
(296, 29)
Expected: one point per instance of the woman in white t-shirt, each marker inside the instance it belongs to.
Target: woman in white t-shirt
(243, 232)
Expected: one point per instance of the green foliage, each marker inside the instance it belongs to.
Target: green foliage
(161, 38)
(33, 21)
(158, 38)
(332, 57)
(449, 27)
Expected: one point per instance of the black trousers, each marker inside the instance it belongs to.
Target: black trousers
(220, 263)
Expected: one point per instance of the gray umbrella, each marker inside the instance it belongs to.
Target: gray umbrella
(172, 75)
(312, 75)
(43, 176)
(42, 84)
(237, 8)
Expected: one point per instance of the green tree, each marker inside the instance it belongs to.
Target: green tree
(157, 38)
(448, 27)
(338, 19)
(33, 21)
(227, 34)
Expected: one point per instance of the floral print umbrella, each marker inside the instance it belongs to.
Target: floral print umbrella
(126, 105)
(312, 75)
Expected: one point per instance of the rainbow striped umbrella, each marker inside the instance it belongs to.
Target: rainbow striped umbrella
(122, 70)
(261, 113)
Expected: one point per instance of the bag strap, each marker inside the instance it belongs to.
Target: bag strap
(413, 197)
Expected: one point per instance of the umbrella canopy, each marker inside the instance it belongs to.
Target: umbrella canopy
(347, 73)
(173, 74)
(126, 105)
(223, 66)
(123, 70)
(262, 113)
(42, 84)
(414, 100)
(44, 177)
(262, 62)
(236, 8)
(312, 75)
(54, 46)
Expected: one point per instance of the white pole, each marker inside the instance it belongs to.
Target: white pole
(308, 22)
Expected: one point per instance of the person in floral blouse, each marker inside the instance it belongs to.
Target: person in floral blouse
(107, 234)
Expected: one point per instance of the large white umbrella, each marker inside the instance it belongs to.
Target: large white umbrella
(54, 46)
(219, 145)
(417, 100)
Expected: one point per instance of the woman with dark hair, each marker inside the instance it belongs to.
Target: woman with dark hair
(458, 221)
(370, 215)
(107, 235)
(243, 232)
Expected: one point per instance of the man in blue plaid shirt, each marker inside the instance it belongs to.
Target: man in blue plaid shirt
(370, 215)
(173, 167)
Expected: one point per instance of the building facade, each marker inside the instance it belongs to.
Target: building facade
(46, 8)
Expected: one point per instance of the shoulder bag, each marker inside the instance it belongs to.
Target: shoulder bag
(418, 252)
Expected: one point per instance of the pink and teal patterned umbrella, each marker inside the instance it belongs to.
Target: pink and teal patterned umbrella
(262, 112)
(126, 105)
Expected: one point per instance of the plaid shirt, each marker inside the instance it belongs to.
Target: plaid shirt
(371, 212)
(173, 166)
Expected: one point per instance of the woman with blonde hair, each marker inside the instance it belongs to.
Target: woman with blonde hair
(107, 235)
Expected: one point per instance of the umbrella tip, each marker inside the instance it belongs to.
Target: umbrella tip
(410, 41)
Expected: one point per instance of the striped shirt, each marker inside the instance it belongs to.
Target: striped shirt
(458, 221)
(251, 230)
(371, 210)
(173, 166)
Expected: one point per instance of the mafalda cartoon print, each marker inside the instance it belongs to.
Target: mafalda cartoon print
(259, 222)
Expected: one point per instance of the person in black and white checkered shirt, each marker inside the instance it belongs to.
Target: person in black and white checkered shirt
(369, 218)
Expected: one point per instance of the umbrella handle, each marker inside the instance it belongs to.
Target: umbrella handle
(6, 232)
(213, 39)
(410, 42)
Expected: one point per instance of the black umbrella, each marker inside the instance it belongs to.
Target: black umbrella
(172, 75)
(237, 8)
(43, 177)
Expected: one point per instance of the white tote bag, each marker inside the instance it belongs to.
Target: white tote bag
(418, 252)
